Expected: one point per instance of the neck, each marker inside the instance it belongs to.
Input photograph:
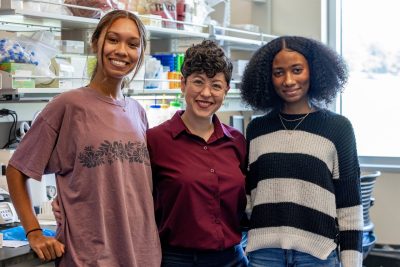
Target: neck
(301, 108)
(107, 87)
(203, 128)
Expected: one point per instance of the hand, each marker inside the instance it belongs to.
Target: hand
(47, 248)
(56, 211)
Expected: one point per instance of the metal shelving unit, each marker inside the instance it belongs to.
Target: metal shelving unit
(14, 19)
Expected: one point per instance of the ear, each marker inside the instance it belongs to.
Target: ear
(183, 85)
(227, 90)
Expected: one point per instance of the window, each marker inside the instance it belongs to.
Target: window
(371, 99)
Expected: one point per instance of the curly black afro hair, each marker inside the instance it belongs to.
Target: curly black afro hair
(208, 58)
(328, 72)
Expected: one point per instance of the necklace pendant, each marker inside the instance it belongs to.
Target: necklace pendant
(290, 132)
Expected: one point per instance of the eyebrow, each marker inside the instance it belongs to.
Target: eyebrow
(291, 66)
(116, 33)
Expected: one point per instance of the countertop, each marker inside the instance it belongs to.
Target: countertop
(13, 256)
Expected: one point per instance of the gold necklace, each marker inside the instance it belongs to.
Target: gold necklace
(292, 120)
(295, 127)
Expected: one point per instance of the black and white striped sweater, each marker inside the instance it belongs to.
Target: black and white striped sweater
(303, 186)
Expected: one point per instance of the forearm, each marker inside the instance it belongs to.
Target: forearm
(19, 195)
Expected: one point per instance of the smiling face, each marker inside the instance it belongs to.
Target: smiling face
(291, 79)
(118, 50)
(203, 95)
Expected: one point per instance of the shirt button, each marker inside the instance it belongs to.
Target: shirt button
(217, 221)
(212, 170)
(205, 147)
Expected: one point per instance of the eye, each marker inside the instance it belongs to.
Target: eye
(198, 82)
(217, 87)
(277, 73)
(297, 70)
(134, 45)
(112, 40)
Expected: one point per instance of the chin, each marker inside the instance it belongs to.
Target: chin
(203, 114)
(118, 75)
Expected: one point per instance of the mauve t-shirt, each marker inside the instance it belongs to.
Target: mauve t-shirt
(96, 146)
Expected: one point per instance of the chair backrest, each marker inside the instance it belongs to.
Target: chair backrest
(367, 185)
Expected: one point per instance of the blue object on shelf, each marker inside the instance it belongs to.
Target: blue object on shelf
(18, 233)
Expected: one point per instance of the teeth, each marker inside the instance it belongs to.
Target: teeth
(118, 63)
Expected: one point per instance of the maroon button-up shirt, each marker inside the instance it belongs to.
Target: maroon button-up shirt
(199, 186)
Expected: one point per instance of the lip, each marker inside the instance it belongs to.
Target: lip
(113, 60)
(204, 104)
(291, 92)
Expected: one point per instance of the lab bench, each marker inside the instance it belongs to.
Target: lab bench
(21, 256)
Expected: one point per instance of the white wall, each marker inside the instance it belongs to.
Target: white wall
(288, 17)
(293, 17)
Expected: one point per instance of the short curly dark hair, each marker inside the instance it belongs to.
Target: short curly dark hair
(328, 72)
(208, 58)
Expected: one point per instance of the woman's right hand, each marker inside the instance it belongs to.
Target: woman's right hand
(55, 206)
(47, 248)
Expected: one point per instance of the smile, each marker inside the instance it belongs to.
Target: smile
(203, 104)
(290, 92)
(118, 63)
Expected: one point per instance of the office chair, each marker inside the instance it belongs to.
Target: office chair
(367, 186)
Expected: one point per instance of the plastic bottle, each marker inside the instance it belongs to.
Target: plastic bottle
(174, 106)
(153, 115)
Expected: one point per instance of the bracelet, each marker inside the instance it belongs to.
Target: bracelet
(33, 230)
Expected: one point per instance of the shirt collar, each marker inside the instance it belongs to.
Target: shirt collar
(177, 126)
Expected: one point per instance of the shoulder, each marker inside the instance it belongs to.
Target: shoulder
(135, 104)
(137, 108)
(61, 102)
(335, 119)
(70, 98)
(173, 126)
(159, 129)
(261, 125)
(335, 127)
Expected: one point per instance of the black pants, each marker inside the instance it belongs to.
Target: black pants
(176, 257)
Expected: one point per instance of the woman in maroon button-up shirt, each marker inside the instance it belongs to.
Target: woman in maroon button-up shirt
(199, 167)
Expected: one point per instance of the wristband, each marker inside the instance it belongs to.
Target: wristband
(33, 230)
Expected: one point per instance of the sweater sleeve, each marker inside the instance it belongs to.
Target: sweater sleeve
(348, 198)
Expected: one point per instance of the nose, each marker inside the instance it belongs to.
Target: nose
(288, 81)
(121, 49)
(206, 91)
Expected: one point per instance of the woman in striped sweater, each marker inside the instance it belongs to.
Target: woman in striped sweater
(303, 183)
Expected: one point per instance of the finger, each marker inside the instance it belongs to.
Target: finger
(55, 205)
(46, 253)
(59, 250)
(39, 253)
(51, 250)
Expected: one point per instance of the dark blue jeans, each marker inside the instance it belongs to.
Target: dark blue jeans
(176, 257)
(276, 257)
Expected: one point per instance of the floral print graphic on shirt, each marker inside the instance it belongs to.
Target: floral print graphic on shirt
(109, 152)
